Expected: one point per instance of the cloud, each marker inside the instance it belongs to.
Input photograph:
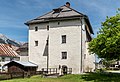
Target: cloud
(15, 12)
(10, 23)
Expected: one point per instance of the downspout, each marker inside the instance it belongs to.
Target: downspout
(47, 63)
(81, 69)
(48, 54)
(48, 48)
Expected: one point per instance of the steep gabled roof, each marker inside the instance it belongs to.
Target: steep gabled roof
(6, 50)
(23, 48)
(60, 13)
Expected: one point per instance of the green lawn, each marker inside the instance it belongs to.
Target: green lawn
(90, 77)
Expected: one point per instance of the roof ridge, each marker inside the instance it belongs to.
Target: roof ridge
(74, 10)
(38, 18)
(69, 12)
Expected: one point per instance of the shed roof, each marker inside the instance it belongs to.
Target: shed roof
(25, 64)
(60, 13)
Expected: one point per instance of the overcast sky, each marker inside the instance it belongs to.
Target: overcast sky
(14, 13)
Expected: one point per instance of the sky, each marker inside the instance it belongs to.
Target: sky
(14, 13)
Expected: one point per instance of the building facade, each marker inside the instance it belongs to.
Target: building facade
(23, 52)
(59, 39)
(7, 54)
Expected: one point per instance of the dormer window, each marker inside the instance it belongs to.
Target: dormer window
(58, 10)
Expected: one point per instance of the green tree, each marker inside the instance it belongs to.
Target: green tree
(107, 43)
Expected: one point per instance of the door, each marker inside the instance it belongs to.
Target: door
(64, 68)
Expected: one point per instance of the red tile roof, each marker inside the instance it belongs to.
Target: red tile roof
(6, 50)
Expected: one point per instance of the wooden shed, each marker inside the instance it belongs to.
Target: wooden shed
(19, 66)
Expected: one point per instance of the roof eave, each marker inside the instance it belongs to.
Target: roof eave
(53, 19)
(88, 22)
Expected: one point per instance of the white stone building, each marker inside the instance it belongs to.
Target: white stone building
(59, 39)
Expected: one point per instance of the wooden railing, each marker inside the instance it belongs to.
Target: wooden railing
(49, 70)
(55, 70)
(69, 70)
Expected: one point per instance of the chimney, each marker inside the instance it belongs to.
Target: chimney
(67, 4)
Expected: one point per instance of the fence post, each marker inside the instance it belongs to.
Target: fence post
(11, 75)
(50, 70)
(23, 75)
(56, 70)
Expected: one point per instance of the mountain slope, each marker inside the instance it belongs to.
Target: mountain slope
(5, 40)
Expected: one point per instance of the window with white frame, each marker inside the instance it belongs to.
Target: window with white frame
(63, 38)
(36, 43)
(64, 55)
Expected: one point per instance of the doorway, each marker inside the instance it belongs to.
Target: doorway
(64, 68)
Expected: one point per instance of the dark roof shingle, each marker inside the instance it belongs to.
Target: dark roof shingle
(62, 12)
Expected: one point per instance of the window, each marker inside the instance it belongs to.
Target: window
(84, 56)
(36, 43)
(58, 10)
(58, 23)
(63, 38)
(64, 55)
(3, 59)
(47, 27)
(11, 59)
(36, 28)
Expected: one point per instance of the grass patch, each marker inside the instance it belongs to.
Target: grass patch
(89, 77)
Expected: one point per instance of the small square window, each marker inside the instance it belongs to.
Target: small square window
(58, 23)
(36, 43)
(3, 59)
(36, 28)
(47, 27)
(84, 56)
(64, 55)
(63, 38)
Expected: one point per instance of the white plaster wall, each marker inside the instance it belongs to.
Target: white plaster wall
(24, 58)
(72, 30)
(72, 47)
(36, 52)
(89, 60)
(64, 23)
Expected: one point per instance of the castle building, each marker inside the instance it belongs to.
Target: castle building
(59, 39)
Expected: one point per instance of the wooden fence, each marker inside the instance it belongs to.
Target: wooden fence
(50, 70)
(69, 70)
(55, 70)
(5, 76)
